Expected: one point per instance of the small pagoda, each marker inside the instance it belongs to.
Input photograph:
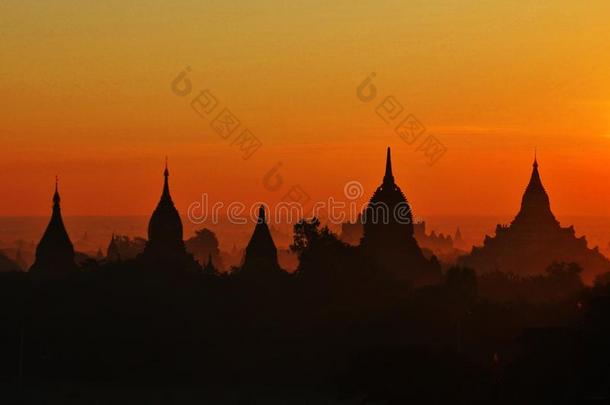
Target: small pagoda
(55, 252)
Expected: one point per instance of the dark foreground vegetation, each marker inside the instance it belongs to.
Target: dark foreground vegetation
(334, 332)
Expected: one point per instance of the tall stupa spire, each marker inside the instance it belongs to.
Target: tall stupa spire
(165, 247)
(388, 178)
(55, 252)
(388, 233)
(535, 184)
(165, 223)
(56, 198)
(165, 195)
(535, 203)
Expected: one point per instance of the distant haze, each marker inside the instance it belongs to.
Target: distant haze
(100, 229)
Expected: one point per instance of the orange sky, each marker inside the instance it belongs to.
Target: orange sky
(85, 93)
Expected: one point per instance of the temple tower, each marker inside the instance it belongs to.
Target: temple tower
(113, 253)
(534, 240)
(165, 248)
(55, 252)
(261, 252)
(388, 237)
(535, 208)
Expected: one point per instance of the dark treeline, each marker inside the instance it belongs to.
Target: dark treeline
(337, 326)
(380, 322)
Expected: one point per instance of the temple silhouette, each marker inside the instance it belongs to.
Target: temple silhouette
(388, 240)
(113, 253)
(534, 240)
(388, 233)
(165, 247)
(261, 253)
(209, 268)
(122, 247)
(55, 252)
(458, 240)
(352, 320)
(431, 243)
(434, 242)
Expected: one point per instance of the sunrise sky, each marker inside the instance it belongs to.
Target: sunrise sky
(85, 93)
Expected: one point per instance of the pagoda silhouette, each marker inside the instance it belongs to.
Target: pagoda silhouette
(209, 268)
(55, 252)
(458, 239)
(113, 254)
(261, 253)
(388, 233)
(165, 248)
(534, 240)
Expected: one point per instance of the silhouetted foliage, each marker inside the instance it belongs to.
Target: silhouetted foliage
(204, 244)
(316, 247)
(461, 286)
(560, 281)
(351, 324)
(128, 248)
(602, 279)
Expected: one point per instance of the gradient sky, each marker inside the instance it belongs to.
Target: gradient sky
(85, 93)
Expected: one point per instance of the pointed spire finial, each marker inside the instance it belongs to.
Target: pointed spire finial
(388, 177)
(56, 198)
(165, 195)
(535, 157)
(261, 214)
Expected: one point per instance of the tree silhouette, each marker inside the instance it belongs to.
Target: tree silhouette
(204, 244)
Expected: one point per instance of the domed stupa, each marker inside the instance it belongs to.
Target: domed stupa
(165, 246)
(55, 252)
(388, 237)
